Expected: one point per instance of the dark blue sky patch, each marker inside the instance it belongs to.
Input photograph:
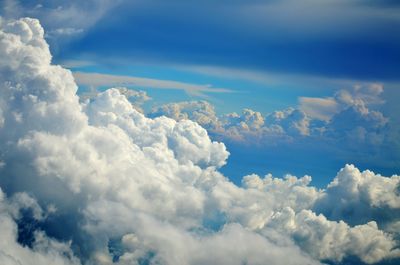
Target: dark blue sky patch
(365, 46)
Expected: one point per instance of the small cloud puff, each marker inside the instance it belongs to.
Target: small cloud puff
(136, 97)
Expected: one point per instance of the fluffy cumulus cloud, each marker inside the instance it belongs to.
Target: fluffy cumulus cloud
(347, 117)
(349, 126)
(108, 185)
(363, 196)
(249, 125)
(200, 111)
(136, 97)
(364, 199)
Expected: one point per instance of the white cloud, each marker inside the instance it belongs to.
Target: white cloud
(347, 120)
(109, 174)
(135, 97)
(293, 121)
(363, 199)
(327, 240)
(356, 113)
(358, 197)
(249, 125)
(359, 97)
(44, 250)
(288, 192)
(200, 111)
(232, 245)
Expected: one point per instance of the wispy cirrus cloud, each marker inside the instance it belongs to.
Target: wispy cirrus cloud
(101, 80)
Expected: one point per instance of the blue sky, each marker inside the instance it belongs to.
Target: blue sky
(264, 55)
(330, 38)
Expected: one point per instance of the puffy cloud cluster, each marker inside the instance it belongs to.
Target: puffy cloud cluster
(247, 125)
(363, 196)
(349, 115)
(345, 117)
(363, 199)
(356, 121)
(200, 111)
(122, 188)
(292, 121)
(346, 128)
(359, 96)
(327, 240)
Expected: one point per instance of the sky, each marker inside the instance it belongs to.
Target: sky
(263, 121)
(259, 55)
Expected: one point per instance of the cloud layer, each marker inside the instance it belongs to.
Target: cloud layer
(108, 185)
(345, 114)
(349, 126)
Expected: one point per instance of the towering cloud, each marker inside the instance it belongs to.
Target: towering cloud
(118, 187)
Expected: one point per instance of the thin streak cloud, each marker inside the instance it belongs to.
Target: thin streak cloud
(98, 80)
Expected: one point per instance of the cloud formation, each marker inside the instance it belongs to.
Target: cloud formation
(363, 196)
(122, 188)
(97, 80)
(136, 97)
(43, 250)
(349, 126)
(347, 111)
(248, 125)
